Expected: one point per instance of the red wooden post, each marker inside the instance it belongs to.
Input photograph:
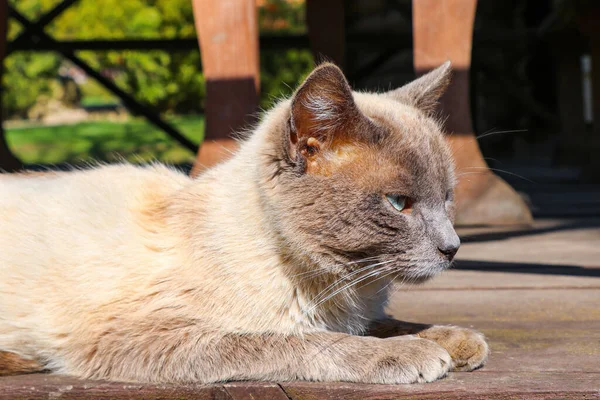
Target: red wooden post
(8, 162)
(443, 30)
(228, 37)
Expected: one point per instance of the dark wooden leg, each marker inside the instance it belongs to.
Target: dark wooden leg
(443, 30)
(592, 167)
(228, 37)
(588, 13)
(325, 20)
(570, 96)
(8, 162)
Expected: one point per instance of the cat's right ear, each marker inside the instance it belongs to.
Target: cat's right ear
(322, 110)
(424, 92)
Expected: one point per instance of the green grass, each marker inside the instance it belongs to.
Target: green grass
(94, 101)
(94, 94)
(134, 140)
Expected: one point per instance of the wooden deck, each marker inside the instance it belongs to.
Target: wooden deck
(481, 385)
(535, 293)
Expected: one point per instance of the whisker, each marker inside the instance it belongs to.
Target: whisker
(492, 159)
(389, 283)
(495, 170)
(348, 285)
(337, 281)
(345, 287)
(499, 132)
(322, 271)
(311, 274)
(400, 284)
(380, 278)
(485, 134)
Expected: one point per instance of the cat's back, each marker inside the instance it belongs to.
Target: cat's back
(39, 203)
(71, 241)
(112, 182)
(58, 212)
(57, 227)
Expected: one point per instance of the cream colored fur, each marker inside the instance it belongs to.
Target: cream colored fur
(144, 274)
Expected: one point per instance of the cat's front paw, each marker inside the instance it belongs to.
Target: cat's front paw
(410, 360)
(468, 348)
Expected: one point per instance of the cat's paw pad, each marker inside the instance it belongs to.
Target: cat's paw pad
(412, 361)
(467, 347)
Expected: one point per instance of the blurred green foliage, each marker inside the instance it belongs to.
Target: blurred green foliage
(282, 71)
(133, 140)
(171, 81)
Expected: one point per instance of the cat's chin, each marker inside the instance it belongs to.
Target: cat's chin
(421, 274)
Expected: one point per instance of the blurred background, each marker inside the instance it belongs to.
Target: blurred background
(55, 113)
(531, 80)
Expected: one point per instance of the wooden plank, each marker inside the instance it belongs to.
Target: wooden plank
(45, 386)
(459, 385)
(255, 390)
(478, 385)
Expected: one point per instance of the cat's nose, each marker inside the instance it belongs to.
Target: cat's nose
(445, 237)
(449, 244)
(449, 252)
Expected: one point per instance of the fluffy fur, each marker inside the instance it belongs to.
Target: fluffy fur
(275, 265)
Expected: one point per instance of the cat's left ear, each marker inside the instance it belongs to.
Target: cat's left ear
(424, 92)
(323, 110)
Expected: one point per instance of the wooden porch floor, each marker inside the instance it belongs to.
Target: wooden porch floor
(535, 293)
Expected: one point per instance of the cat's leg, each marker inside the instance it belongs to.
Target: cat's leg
(191, 355)
(468, 348)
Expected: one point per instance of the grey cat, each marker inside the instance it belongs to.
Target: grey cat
(275, 265)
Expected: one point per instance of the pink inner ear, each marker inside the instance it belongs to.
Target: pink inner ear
(319, 116)
(323, 108)
(322, 104)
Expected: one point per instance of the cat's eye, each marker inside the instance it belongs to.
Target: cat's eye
(397, 201)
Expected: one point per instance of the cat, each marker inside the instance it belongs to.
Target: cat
(275, 265)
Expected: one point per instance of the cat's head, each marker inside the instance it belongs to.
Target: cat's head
(364, 176)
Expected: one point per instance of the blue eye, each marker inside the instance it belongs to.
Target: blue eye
(397, 201)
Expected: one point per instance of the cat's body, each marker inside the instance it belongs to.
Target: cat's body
(141, 273)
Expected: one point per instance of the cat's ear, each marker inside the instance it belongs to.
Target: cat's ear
(322, 108)
(424, 92)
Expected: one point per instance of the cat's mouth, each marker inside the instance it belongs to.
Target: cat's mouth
(403, 268)
(399, 267)
(422, 272)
